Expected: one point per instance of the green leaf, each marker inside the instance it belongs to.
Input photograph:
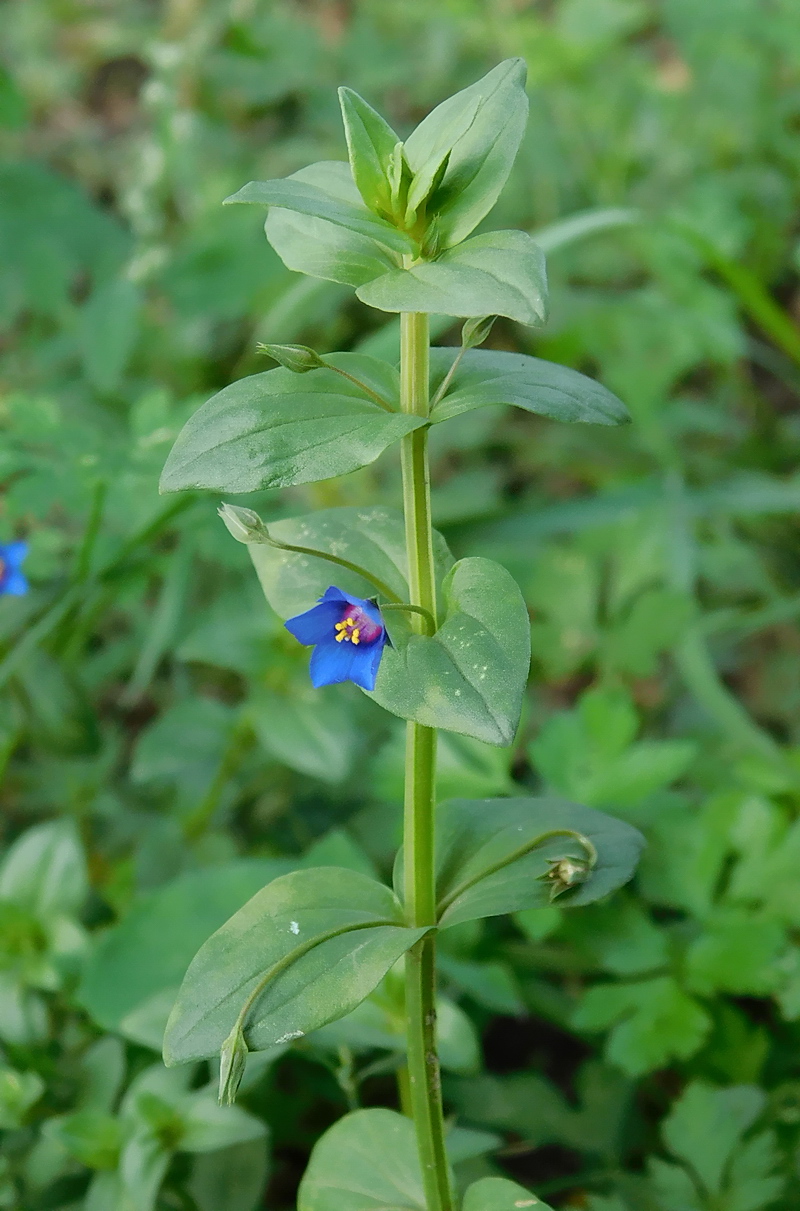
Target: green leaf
(485, 377)
(379, 1022)
(489, 860)
(323, 249)
(705, 1125)
(373, 538)
(675, 1190)
(18, 1092)
(621, 936)
(109, 324)
(499, 1194)
(44, 871)
(738, 952)
(208, 1126)
(367, 1161)
(653, 1022)
(272, 430)
(491, 985)
(470, 676)
(431, 152)
(92, 1137)
(481, 158)
(753, 1182)
(309, 732)
(301, 196)
(233, 1178)
(499, 273)
(148, 953)
(370, 146)
(319, 941)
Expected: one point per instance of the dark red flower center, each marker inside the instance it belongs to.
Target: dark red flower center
(357, 627)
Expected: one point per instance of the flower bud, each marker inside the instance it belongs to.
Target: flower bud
(243, 524)
(232, 1061)
(565, 873)
(297, 358)
(475, 331)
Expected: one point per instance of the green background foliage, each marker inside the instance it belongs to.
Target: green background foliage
(163, 753)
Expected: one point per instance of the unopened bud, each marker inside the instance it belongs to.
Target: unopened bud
(565, 873)
(475, 331)
(232, 1061)
(243, 524)
(297, 358)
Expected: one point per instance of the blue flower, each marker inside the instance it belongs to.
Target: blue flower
(349, 638)
(12, 581)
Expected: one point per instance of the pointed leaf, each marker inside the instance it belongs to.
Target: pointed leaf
(276, 428)
(302, 197)
(490, 859)
(499, 1194)
(45, 871)
(370, 146)
(285, 942)
(481, 158)
(499, 273)
(486, 377)
(323, 249)
(470, 676)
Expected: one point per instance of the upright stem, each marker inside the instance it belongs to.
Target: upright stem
(424, 1083)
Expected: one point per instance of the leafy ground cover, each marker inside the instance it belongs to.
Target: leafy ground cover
(163, 753)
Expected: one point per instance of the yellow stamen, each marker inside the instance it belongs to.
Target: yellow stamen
(355, 636)
(340, 637)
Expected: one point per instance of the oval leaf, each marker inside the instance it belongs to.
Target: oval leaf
(303, 197)
(470, 676)
(277, 428)
(372, 538)
(482, 156)
(315, 983)
(485, 377)
(490, 860)
(367, 1161)
(370, 145)
(499, 1194)
(147, 954)
(500, 273)
(45, 870)
(323, 249)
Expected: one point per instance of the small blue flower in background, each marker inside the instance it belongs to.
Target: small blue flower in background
(349, 638)
(12, 581)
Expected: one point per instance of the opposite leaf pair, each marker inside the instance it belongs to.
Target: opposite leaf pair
(393, 221)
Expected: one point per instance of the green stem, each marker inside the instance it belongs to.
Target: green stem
(429, 620)
(448, 378)
(384, 403)
(287, 960)
(342, 563)
(424, 1083)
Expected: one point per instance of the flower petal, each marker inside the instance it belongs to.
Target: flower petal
(364, 670)
(334, 594)
(13, 553)
(332, 663)
(13, 584)
(317, 624)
